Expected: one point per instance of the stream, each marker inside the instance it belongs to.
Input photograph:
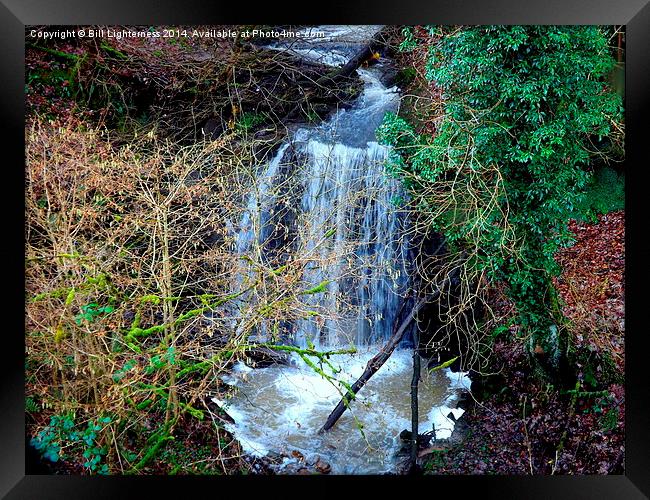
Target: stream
(340, 185)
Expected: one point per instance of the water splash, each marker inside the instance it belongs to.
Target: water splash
(279, 409)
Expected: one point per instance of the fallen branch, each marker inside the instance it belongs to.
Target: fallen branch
(377, 42)
(373, 365)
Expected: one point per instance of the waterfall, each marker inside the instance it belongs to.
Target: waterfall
(326, 197)
(330, 179)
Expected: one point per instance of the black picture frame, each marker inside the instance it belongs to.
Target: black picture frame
(15, 15)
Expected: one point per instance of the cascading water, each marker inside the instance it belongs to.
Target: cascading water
(339, 187)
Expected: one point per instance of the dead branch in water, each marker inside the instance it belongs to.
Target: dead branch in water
(367, 53)
(374, 364)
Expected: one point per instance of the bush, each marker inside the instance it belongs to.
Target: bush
(123, 245)
(507, 165)
(62, 434)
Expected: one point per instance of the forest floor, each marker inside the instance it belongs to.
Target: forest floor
(517, 425)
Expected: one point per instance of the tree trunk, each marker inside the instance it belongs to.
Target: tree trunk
(414, 406)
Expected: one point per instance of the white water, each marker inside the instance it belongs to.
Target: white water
(344, 187)
(280, 409)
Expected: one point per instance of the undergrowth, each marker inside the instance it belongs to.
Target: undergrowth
(604, 193)
(136, 299)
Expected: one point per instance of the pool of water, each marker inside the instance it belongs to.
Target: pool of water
(280, 409)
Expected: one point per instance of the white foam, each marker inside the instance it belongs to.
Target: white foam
(280, 409)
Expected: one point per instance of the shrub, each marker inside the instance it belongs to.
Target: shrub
(506, 167)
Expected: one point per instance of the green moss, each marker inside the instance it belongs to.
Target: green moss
(57, 53)
(405, 76)
(155, 442)
(109, 49)
(320, 288)
(446, 364)
(249, 120)
(137, 332)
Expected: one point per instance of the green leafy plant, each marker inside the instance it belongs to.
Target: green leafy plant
(121, 373)
(90, 312)
(249, 120)
(604, 193)
(31, 406)
(62, 434)
(93, 453)
(159, 362)
(408, 42)
(609, 420)
(48, 441)
(506, 167)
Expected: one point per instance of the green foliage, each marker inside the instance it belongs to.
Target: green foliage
(608, 421)
(190, 461)
(408, 43)
(507, 162)
(47, 442)
(90, 312)
(121, 373)
(62, 434)
(249, 120)
(405, 77)
(31, 406)
(57, 79)
(436, 460)
(159, 362)
(605, 193)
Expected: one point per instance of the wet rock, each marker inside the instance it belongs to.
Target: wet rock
(262, 357)
(322, 466)
(423, 439)
(305, 466)
(274, 457)
(215, 408)
(212, 129)
(389, 75)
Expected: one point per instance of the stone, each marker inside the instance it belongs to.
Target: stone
(322, 466)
